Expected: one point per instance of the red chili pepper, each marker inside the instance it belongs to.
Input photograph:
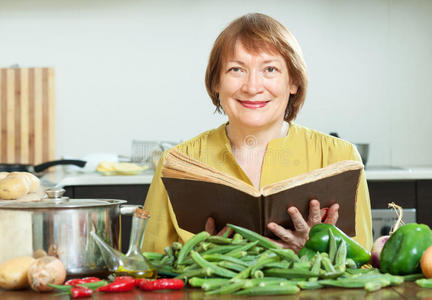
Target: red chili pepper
(161, 284)
(124, 278)
(74, 282)
(81, 292)
(121, 285)
(139, 280)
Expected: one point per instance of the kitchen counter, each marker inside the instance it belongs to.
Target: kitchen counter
(61, 179)
(407, 290)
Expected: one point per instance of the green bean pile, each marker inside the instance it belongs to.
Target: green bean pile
(249, 264)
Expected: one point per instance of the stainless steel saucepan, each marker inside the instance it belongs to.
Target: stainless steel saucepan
(61, 227)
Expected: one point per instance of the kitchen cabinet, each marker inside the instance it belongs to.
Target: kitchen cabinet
(424, 202)
(405, 193)
(133, 193)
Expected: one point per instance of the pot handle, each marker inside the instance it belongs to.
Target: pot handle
(128, 209)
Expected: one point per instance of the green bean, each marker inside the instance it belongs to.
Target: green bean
(199, 282)
(424, 283)
(153, 255)
(226, 233)
(170, 253)
(303, 259)
(215, 269)
(269, 290)
(177, 245)
(351, 264)
(263, 261)
(287, 254)
(219, 240)
(302, 265)
(94, 285)
(242, 248)
(188, 246)
(253, 236)
(227, 288)
(332, 246)
(257, 274)
(231, 266)
(279, 264)
(327, 265)
(361, 271)
(413, 277)
(358, 282)
(203, 246)
(289, 273)
(249, 258)
(332, 275)
(372, 286)
(205, 271)
(394, 279)
(237, 237)
(316, 266)
(221, 249)
(212, 285)
(340, 256)
(221, 257)
(309, 285)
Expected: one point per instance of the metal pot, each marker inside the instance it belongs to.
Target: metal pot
(61, 227)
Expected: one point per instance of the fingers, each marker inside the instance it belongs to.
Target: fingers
(332, 214)
(300, 224)
(314, 213)
(210, 226)
(285, 235)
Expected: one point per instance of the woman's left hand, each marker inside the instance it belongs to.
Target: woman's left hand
(295, 239)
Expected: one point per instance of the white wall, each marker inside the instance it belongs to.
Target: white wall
(129, 69)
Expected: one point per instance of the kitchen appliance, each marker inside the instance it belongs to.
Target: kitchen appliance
(363, 150)
(27, 115)
(383, 219)
(61, 227)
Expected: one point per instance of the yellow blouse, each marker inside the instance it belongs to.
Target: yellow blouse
(301, 151)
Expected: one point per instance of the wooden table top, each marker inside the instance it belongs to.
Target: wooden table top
(407, 290)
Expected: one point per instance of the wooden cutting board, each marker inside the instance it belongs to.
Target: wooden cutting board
(27, 115)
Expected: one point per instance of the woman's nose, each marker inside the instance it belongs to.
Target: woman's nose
(253, 83)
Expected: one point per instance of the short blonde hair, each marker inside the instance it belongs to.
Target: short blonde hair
(258, 32)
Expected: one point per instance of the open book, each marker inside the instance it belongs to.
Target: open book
(198, 191)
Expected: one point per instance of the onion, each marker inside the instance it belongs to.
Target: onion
(426, 263)
(376, 250)
(46, 270)
(379, 242)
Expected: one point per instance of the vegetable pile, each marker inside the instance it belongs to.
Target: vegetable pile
(249, 264)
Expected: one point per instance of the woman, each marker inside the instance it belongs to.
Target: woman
(256, 75)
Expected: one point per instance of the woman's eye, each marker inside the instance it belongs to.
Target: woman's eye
(235, 69)
(271, 69)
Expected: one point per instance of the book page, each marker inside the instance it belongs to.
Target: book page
(179, 165)
(315, 175)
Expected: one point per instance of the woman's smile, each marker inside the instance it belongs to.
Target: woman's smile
(253, 104)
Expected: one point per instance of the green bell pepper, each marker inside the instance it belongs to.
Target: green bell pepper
(402, 252)
(319, 242)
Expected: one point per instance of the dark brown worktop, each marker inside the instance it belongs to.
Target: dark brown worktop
(408, 290)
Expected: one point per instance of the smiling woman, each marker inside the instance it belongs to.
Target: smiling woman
(256, 75)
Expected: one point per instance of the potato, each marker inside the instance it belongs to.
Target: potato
(13, 272)
(13, 187)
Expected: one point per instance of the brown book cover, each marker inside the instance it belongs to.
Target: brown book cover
(197, 191)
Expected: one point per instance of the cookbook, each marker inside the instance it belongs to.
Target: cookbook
(198, 191)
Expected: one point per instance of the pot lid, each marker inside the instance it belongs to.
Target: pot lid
(55, 200)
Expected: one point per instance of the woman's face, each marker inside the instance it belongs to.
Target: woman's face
(254, 88)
